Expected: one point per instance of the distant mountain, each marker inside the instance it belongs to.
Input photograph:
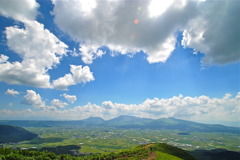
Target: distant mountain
(92, 121)
(14, 134)
(132, 122)
(177, 124)
(167, 123)
(127, 122)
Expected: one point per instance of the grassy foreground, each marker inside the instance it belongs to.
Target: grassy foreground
(159, 151)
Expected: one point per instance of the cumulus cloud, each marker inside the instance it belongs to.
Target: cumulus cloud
(39, 49)
(69, 98)
(78, 74)
(215, 32)
(211, 27)
(19, 10)
(12, 92)
(90, 52)
(201, 108)
(33, 99)
(58, 103)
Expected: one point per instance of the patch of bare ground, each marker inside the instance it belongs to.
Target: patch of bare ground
(152, 155)
(147, 146)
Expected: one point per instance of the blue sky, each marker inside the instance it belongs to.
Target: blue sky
(72, 59)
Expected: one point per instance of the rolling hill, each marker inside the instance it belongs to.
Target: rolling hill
(159, 151)
(14, 134)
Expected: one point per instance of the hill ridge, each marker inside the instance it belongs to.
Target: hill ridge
(14, 134)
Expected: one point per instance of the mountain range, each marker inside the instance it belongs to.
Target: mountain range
(128, 122)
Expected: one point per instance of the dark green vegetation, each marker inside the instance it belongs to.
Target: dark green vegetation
(158, 151)
(14, 134)
(215, 154)
(130, 122)
(69, 149)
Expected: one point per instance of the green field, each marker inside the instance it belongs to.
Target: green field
(100, 140)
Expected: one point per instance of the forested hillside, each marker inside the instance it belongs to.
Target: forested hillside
(14, 134)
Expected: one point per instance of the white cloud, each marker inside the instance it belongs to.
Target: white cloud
(5, 113)
(215, 32)
(12, 92)
(209, 26)
(201, 108)
(3, 58)
(78, 74)
(69, 98)
(58, 103)
(116, 28)
(90, 52)
(157, 7)
(34, 99)
(40, 51)
(20, 10)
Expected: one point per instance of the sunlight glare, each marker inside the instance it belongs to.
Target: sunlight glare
(158, 7)
(87, 6)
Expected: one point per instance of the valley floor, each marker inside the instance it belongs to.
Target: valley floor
(101, 140)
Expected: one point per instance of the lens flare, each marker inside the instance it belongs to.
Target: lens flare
(136, 21)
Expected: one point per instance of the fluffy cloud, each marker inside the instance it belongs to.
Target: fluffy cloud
(12, 92)
(215, 32)
(78, 74)
(90, 52)
(39, 49)
(34, 99)
(58, 103)
(201, 108)
(131, 26)
(69, 98)
(19, 10)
